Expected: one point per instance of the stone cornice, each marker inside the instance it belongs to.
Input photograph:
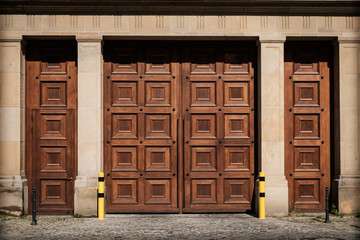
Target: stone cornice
(186, 7)
(272, 39)
(352, 39)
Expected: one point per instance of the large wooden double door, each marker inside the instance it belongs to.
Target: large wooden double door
(179, 126)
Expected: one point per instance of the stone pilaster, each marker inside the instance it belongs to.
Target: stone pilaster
(12, 83)
(348, 183)
(272, 124)
(90, 126)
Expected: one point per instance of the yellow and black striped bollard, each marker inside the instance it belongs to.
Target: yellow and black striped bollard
(101, 196)
(262, 195)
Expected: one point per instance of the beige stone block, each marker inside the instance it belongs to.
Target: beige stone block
(77, 23)
(271, 91)
(236, 24)
(6, 22)
(49, 23)
(349, 158)
(92, 23)
(85, 202)
(276, 200)
(286, 24)
(349, 200)
(31, 23)
(355, 24)
(293, 24)
(133, 22)
(99, 124)
(10, 57)
(87, 124)
(261, 23)
(99, 156)
(272, 58)
(11, 201)
(272, 157)
(147, 24)
(87, 158)
(89, 92)
(110, 23)
(270, 130)
(349, 58)
(179, 24)
(10, 124)
(9, 158)
(10, 35)
(9, 89)
(349, 195)
(339, 24)
(217, 24)
(155, 24)
(325, 24)
(89, 57)
(196, 24)
(349, 85)
(19, 22)
(62, 23)
(349, 124)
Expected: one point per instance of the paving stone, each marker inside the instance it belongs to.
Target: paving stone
(185, 226)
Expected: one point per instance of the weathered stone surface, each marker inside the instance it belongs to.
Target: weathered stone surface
(186, 226)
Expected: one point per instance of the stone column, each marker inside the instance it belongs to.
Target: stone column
(272, 124)
(12, 108)
(90, 127)
(349, 77)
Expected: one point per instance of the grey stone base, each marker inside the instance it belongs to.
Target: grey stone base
(85, 202)
(276, 196)
(13, 195)
(348, 188)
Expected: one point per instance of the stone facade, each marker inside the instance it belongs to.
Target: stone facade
(90, 30)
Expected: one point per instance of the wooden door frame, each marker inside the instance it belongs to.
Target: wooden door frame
(333, 115)
(29, 123)
(180, 150)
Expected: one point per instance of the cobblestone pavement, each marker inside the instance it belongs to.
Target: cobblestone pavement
(185, 226)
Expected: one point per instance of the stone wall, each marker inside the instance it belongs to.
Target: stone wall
(271, 33)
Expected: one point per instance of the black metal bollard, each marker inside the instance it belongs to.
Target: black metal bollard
(34, 208)
(327, 220)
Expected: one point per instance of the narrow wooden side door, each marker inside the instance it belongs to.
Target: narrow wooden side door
(307, 123)
(218, 110)
(51, 102)
(141, 81)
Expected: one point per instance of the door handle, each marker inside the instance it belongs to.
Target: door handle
(69, 179)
